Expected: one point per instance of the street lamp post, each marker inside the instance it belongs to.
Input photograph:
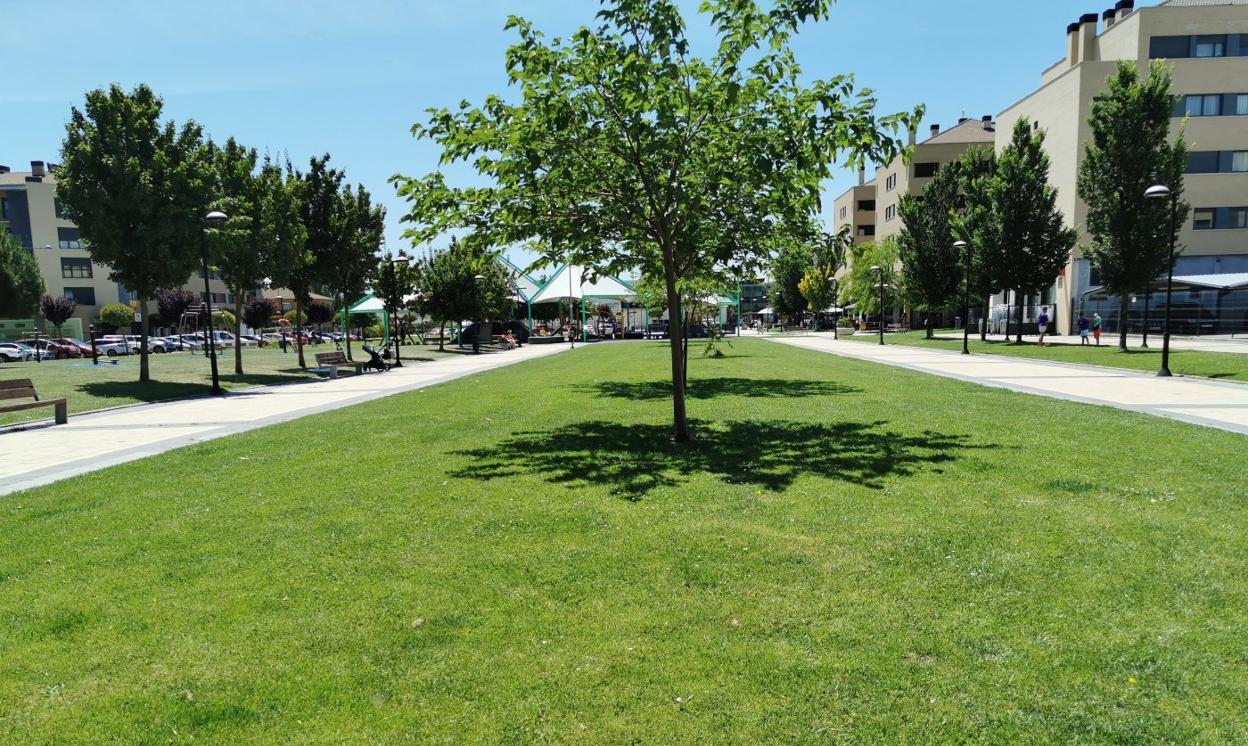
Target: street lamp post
(836, 312)
(394, 337)
(880, 270)
(966, 317)
(1161, 192)
(476, 341)
(212, 219)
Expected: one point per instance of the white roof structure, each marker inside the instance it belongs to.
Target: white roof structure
(372, 304)
(1233, 281)
(524, 285)
(577, 282)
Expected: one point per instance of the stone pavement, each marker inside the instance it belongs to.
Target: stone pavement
(1199, 401)
(29, 458)
(1221, 343)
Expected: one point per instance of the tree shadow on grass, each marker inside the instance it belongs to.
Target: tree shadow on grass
(711, 388)
(633, 460)
(153, 391)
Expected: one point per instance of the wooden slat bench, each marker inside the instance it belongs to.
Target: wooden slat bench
(24, 388)
(332, 361)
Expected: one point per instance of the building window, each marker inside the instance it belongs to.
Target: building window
(1241, 104)
(1239, 162)
(76, 268)
(1202, 162)
(68, 238)
(866, 205)
(81, 296)
(890, 183)
(1210, 46)
(1170, 47)
(866, 231)
(4, 209)
(58, 208)
(925, 170)
(890, 212)
(1239, 217)
(844, 212)
(1203, 106)
(1203, 218)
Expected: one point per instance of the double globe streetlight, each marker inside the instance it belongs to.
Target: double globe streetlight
(880, 271)
(1162, 192)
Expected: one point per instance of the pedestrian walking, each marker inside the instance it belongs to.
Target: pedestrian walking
(1043, 324)
(1097, 323)
(1085, 329)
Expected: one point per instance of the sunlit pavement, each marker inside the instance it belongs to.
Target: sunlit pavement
(1199, 401)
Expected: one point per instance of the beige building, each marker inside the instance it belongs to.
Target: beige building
(856, 209)
(1206, 41)
(31, 212)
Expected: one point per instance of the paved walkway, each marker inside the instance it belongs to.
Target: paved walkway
(1210, 403)
(1222, 343)
(29, 458)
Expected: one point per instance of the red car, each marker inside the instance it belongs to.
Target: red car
(83, 347)
(56, 349)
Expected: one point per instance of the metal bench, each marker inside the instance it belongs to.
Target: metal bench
(24, 388)
(332, 361)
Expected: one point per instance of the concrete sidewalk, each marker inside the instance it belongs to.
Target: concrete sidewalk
(1195, 400)
(29, 458)
(1222, 343)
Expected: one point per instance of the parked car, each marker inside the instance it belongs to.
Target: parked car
(16, 352)
(83, 347)
(120, 339)
(55, 351)
(250, 340)
(174, 343)
(113, 348)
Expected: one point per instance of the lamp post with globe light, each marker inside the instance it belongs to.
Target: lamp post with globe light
(1162, 192)
(213, 219)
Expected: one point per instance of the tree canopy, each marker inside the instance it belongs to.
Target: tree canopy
(21, 285)
(1130, 151)
(932, 270)
(862, 285)
(137, 188)
(625, 151)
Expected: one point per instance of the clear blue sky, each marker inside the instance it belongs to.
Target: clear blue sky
(350, 77)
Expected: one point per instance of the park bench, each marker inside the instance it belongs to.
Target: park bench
(332, 361)
(24, 388)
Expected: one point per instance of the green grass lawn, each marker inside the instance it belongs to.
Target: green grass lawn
(852, 553)
(90, 387)
(1220, 365)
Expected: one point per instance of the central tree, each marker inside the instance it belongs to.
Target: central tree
(625, 151)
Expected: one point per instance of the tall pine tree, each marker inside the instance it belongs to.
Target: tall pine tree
(931, 268)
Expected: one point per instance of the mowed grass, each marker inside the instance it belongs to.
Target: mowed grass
(852, 553)
(1219, 365)
(174, 376)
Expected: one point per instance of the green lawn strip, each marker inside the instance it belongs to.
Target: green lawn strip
(853, 553)
(177, 375)
(1217, 365)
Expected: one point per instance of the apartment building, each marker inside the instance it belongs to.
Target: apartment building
(32, 213)
(1206, 42)
(856, 209)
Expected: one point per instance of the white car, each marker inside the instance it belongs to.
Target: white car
(113, 347)
(11, 352)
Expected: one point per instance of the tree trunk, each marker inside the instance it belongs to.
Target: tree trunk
(144, 372)
(1018, 332)
(442, 335)
(238, 334)
(930, 323)
(685, 353)
(1144, 329)
(1008, 314)
(1123, 304)
(299, 333)
(983, 326)
(680, 429)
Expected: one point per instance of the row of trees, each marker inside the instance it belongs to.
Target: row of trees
(139, 189)
(1005, 208)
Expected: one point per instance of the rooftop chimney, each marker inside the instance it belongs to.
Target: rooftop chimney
(1108, 17)
(914, 136)
(1072, 44)
(5, 169)
(1123, 8)
(989, 125)
(1087, 37)
(935, 130)
(36, 168)
(963, 120)
(862, 176)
